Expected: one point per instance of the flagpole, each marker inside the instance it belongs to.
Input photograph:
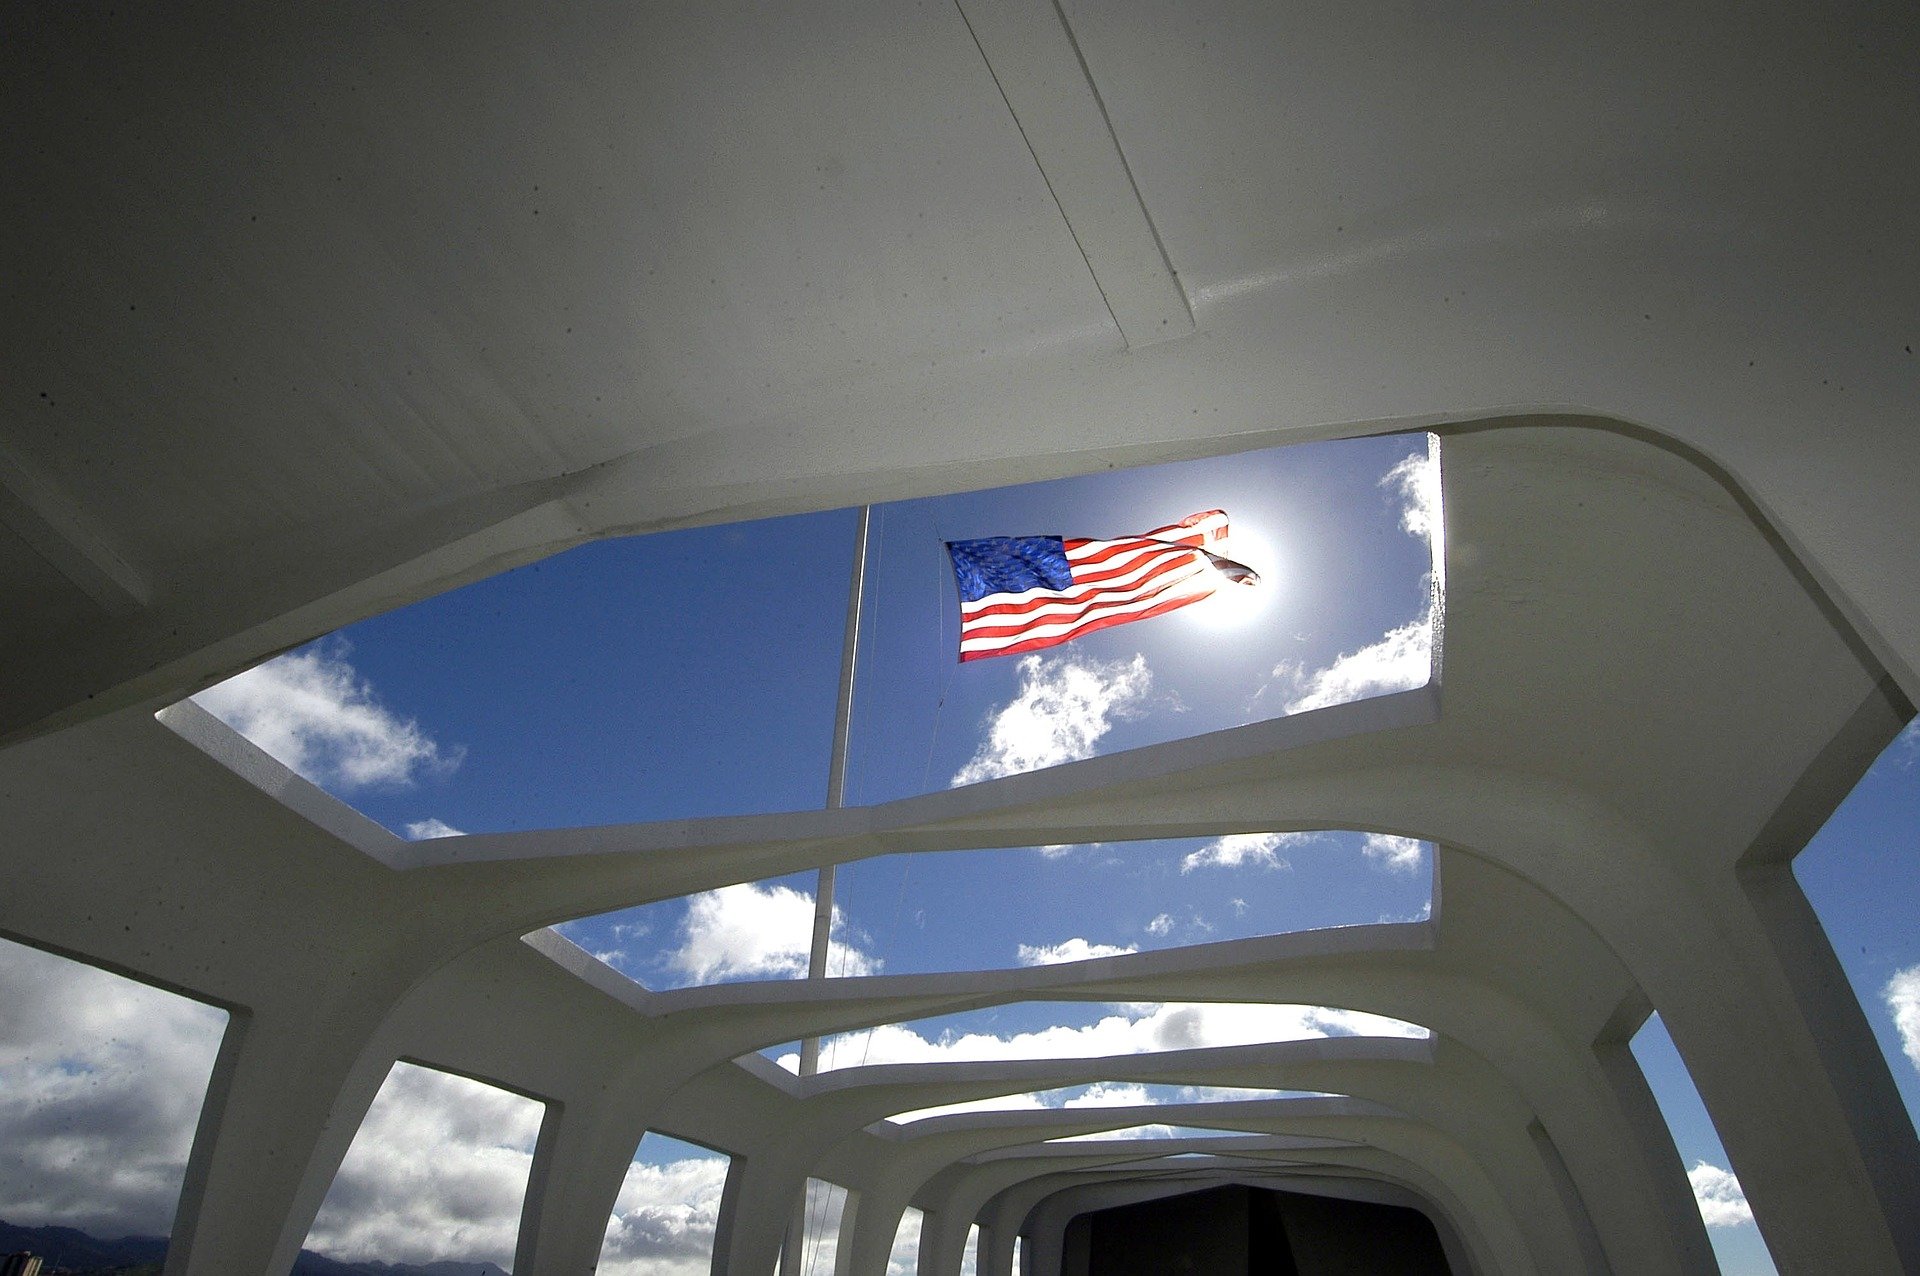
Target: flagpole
(836, 798)
(837, 776)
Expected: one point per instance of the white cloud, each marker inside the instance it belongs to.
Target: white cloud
(1400, 854)
(1123, 1132)
(1906, 745)
(437, 1171)
(1239, 906)
(1160, 925)
(749, 931)
(101, 1082)
(1110, 1094)
(664, 1219)
(1717, 1192)
(1400, 659)
(1101, 1094)
(1064, 707)
(826, 1204)
(904, 1259)
(1075, 949)
(1417, 480)
(1237, 849)
(427, 829)
(997, 1103)
(1903, 998)
(313, 712)
(1131, 1030)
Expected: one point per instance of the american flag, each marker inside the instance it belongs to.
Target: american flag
(1022, 593)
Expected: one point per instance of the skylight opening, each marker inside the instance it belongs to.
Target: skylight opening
(1343, 536)
(436, 1173)
(933, 912)
(1082, 1030)
(1157, 1132)
(102, 1080)
(694, 672)
(1104, 1094)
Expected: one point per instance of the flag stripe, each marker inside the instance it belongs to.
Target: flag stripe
(1068, 626)
(1114, 582)
(1137, 577)
(1090, 626)
(1211, 525)
(1139, 551)
(1093, 550)
(1135, 557)
(1062, 609)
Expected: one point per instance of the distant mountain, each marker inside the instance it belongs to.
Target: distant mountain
(312, 1264)
(75, 1251)
(68, 1247)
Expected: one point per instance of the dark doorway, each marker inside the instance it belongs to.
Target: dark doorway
(1247, 1231)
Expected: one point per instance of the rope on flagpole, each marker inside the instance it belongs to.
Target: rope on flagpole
(942, 589)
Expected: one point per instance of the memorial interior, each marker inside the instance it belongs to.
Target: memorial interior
(318, 311)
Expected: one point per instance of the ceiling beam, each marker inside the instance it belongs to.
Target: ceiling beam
(1037, 63)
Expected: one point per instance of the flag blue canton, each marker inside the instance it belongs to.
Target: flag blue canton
(1009, 565)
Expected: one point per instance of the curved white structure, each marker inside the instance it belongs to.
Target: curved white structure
(316, 312)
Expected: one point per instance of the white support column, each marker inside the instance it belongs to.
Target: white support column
(1797, 1086)
(867, 1232)
(585, 1148)
(757, 1217)
(943, 1241)
(852, 1210)
(281, 1110)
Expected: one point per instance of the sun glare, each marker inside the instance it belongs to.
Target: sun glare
(1235, 605)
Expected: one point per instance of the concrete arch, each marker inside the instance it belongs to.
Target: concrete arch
(1653, 797)
(1468, 1190)
(1436, 1082)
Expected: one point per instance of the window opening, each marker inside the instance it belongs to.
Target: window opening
(436, 1173)
(1861, 873)
(904, 1258)
(102, 1080)
(823, 1209)
(669, 1206)
(1723, 1207)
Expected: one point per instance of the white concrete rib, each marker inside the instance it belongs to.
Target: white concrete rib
(1573, 892)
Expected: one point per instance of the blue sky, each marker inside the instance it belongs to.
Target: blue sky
(693, 673)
